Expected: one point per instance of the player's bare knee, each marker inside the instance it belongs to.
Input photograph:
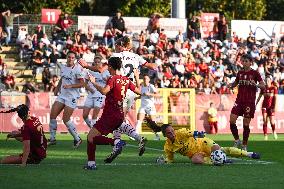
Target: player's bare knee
(215, 147)
(197, 159)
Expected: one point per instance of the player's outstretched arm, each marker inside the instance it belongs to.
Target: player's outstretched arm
(102, 90)
(16, 135)
(57, 88)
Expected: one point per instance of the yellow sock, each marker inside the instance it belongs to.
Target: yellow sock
(234, 152)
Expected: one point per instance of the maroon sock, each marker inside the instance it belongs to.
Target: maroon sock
(234, 131)
(103, 140)
(265, 129)
(216, 127)
(91, 151)
(246, 134)
(273, 127)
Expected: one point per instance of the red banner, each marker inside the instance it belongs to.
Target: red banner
(50, 16)
(207, 23)
(11, 121)
(224, 104)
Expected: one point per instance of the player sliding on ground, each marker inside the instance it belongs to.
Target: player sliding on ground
(31, 135)
(113, 115)
(193, 144)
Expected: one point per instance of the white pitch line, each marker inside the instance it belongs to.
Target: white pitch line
(249, 161)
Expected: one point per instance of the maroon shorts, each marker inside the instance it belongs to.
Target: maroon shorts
(33, 158)
(244, 109)
(107, 124)
(269, 111)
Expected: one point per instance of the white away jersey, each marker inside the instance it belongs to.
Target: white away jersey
(145, 100)
(71, 75)
(130, 61)
(101, 79)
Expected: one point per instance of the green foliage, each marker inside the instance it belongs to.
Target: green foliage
(144, 8)
(35, 6)
(233, 9)
(275, 10)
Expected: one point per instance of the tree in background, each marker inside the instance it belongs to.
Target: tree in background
(275, 10)
(35, 6)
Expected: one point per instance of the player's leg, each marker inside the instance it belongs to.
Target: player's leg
(264, 116)
(216, 127)
(86, 110)
(140, 117)
(91, 149)
(246, 132)
(56, 108)
(98, 104)
(235, 152)
(153, 117)
(272, 123)
(68, 111)
(14, 159)
(234, 129)
(203, 157)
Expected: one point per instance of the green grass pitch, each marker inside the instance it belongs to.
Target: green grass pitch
(63, 168)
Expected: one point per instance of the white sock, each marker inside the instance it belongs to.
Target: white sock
(94, 121)
(91, 163)
(88, 122)
(250, 154)
(52, 128)
(72, 130)
(139, 126)
(116, 134)
(130, 131)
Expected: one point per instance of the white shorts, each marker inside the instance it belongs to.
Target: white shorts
(148, 109)
(94, 102)
(70, 102)
(129, 99)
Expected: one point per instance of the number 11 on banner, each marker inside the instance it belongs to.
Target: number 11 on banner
(50, 16)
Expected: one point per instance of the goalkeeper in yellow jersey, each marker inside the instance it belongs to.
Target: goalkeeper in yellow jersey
(194, 145)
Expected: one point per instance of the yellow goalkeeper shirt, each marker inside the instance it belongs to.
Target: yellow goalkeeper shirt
(186, 145)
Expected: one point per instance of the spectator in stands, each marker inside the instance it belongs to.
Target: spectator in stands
(22, 32)
(193, 28)
(39, 32)
(222, 27)
(8, 24)
(109, 36)
(10, 82)
(180, 37)
(53, 57)
(45, 40)
(118, 24)
(154, 23)
(3, 72)
(142, 38)
(46, 76)
(1, 30)
(29, 86)
(224, 89)
(250, 40)
(54, 82)
(64, 23)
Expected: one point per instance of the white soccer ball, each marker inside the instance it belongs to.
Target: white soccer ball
(218, 157)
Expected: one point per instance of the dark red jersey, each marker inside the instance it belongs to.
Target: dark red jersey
(32, 130)
(247, 89)
(114, 99)
(269, 95)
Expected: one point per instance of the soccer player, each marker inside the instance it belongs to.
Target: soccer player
(95, 99)
(194, 145)
(268, 106)
(113, 114)
(72, 79)
(31, 135)
(247, 80)
(212, 119)
(148, 92)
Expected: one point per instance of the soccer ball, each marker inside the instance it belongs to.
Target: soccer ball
(218, 157)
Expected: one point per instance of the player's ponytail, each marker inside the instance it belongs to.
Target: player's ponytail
(22, 110)
(9, 111)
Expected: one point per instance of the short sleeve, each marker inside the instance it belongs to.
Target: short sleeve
(258, 76)
(80, 73)
(153, 88)
(131, 86)
(110, 82)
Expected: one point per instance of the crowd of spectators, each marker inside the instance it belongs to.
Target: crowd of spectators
(186, 61)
